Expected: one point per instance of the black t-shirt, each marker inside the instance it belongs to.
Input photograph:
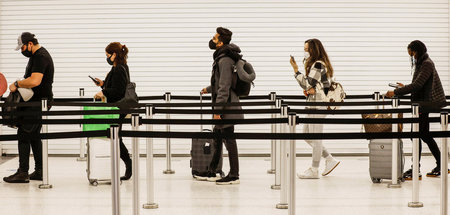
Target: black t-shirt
(41, 62)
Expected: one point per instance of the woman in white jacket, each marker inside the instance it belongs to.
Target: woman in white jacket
(315, 83)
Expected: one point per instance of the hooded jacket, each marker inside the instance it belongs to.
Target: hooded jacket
(221, 80)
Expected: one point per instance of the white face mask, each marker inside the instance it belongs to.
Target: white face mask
(307, 55)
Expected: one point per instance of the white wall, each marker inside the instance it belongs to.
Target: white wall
(168, 42)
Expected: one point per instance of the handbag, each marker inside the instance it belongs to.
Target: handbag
(373, 128)
(130, 96)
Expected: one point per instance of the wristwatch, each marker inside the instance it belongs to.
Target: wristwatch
(16, 84)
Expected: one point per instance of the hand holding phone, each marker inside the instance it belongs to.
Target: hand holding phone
(293, 63)
(94, 80)
(394, 85)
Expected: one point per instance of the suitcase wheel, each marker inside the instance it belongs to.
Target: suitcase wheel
(376, 180)
(93, 182)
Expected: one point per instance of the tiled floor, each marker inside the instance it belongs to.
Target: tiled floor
(347, 190)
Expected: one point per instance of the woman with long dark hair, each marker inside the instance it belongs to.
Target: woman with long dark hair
(315, 83)
(114, 87)
(425, 89)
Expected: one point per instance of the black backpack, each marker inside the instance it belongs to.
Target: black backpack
(243, 77)
(9, 111)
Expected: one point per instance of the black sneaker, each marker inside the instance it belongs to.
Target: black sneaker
(228, 180)
(36, 175)
(204, 176)
(18, 177)
(436, 172)
(408, 175)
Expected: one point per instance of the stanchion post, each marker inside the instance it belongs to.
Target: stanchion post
(394, 182)
(376, 97)
(167, 98)
(82, 140)
(277, 155)
(45, 179)
(415, 203)
(150, 177)
(292, 158)
(273, 96)
(444, 165)
(284, 163)
(135, 141)
(115, 180)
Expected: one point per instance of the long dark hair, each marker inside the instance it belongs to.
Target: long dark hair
(317, 53)
(120, 50)
(418, 47)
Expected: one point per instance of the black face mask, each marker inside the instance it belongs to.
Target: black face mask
(108, 59)
(212, 45)
(27, 53)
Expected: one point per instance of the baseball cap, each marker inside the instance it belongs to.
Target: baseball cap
(24, 38)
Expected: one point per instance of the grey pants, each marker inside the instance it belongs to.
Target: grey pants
(318, 149)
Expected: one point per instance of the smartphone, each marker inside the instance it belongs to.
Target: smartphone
(94, 80)
(394, 85)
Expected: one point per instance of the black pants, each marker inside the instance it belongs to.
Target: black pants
(28, 136)
(231, 146)
(424, 131)
(124, 154)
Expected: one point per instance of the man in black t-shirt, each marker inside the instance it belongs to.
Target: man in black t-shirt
(38, 77)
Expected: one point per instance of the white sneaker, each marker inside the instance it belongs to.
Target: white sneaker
(330, 165)
(310, 173)
(213, 179)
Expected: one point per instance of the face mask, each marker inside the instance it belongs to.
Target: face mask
(307, 55)
(27, 53)
(108, 59)
(212, 45)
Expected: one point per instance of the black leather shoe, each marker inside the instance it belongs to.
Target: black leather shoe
(128, 171)
(408, 175)
(18, 177)
(36, 175)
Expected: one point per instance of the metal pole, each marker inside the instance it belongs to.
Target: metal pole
(394, 181)
(444, 165)
(284, 163)
(82, 140)
(415, 203)
(135, 141)
(167, 98)
(277, 155)
(376, 97)
(273, 96)
(115, 180)
(150, 177)
(292, 158)
(45, 181)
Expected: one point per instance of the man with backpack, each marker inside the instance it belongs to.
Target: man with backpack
(221, 88)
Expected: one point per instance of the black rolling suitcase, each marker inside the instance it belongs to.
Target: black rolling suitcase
(202, 152)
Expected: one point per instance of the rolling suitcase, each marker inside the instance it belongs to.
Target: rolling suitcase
(98, 149)
(202, 152)
(380, 159)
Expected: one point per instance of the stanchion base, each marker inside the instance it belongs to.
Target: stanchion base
(82, 159)
(169, 172)
(275, 187)
(398, 185)
(45, 186)
(150, 206)
(282, 206)
(415, 204)
(271, 171)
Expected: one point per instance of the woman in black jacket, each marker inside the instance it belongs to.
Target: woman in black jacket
(113, 88)
(426, 89)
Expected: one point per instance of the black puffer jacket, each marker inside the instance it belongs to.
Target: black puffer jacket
(426, 87)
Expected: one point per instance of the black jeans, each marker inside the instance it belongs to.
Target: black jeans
(231, 146)
(124, 154)
(424, 131)
(28, 135)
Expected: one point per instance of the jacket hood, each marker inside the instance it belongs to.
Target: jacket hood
(231, 50)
